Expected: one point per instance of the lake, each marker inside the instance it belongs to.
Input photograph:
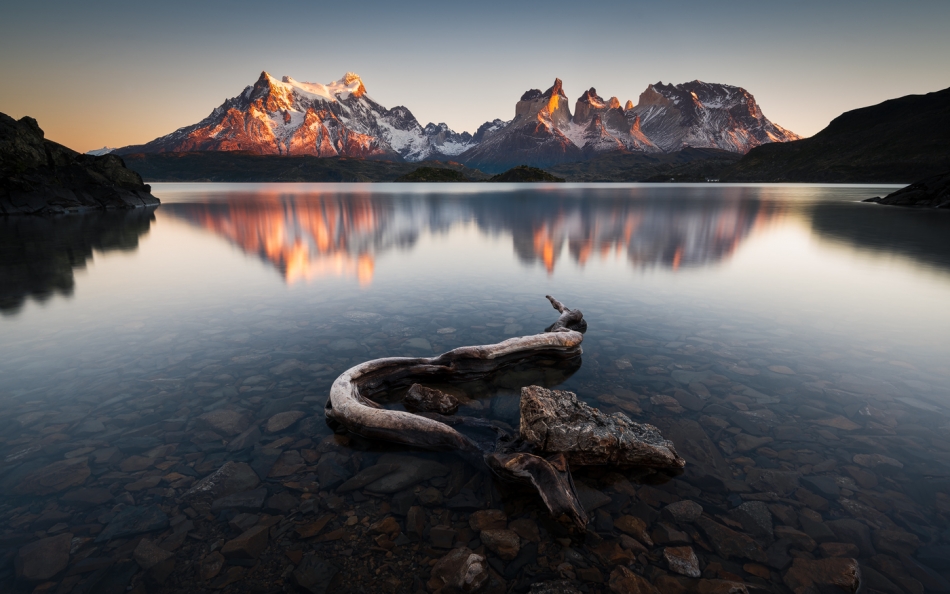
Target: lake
(791, 341)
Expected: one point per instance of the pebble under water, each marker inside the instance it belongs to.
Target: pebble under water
(163, 376)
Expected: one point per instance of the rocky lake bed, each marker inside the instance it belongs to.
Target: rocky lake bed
(191, 454)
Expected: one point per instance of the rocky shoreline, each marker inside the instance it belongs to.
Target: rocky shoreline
(38, 176)
(933, 192)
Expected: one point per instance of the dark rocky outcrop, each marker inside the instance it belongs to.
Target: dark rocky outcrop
(896, 141)
(38, 176)
(933, 192)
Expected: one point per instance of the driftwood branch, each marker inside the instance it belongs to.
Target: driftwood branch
(350, 407)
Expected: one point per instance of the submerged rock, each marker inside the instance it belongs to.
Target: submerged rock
(808, 576)
(460, 571)
(554, 421)
(422, 399)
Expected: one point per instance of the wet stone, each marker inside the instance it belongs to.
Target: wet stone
(895, 542)
(283, 420)
(682, 560)
(442, 537)
(755, 517)
(525, 528)
(314, 574)
(488, 519)
(366, 476)
(134, 520)
(460, 571)
(247, 501)
(855, 532)
(287, 464)
(245, 440)
(147, 555)
(281, 503)
(624, 581)
(729, 543)
(43, 559)
(55, 477)
(225, 422)
(422, 399)
(810, 577)
(232, 477)
(504, 543)
(838, 549)
(824, 485)
(685, 511)
(249, 545)
(211, 566)
(330, 473)
(411, 471)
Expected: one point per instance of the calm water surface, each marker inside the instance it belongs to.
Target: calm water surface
(775, 333)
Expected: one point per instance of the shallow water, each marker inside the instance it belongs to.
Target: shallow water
(774, 333)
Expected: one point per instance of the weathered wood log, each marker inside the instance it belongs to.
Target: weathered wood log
(551, 478)
(348, 406)
(351, 407)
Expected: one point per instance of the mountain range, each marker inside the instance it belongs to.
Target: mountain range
(291, 118)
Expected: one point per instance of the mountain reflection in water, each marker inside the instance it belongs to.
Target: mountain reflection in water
(308, 236)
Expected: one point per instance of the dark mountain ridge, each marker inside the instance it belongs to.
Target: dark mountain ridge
(898, 141)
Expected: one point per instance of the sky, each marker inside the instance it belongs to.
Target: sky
(110, 73)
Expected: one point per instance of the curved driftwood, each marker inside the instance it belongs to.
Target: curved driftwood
(351, 406)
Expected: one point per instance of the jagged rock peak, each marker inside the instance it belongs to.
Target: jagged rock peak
(628, 106)
(613, 103)
(590, 96)
(556, 89)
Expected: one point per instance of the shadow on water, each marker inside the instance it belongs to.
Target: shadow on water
(917, 234)
(39, 254)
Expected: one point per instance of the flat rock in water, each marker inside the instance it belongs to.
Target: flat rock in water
(147, 555)
(88, 497)
(556, 422)
(411, 471)
(249, 545)
(589, 497)
(366, 476)
(682, 560)
(755, 517)
(729, 543)
(55, 477)
(314, 573)
(422, 399)
(233, 477)
(624, 581)
(462, 570)
(225, 422)
(283, 420)
(807, 576)
(134, 520)
(247, 501)
(683, 511)
(43, 559)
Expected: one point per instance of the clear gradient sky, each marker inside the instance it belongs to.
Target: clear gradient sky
(115, 73)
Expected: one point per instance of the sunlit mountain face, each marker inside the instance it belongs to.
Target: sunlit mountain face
(309, 236)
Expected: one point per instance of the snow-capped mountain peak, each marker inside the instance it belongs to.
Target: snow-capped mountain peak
(290, 117)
